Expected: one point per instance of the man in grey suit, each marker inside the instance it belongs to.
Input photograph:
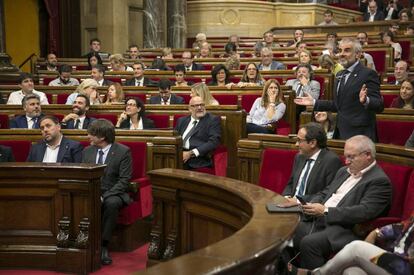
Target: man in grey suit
(268, 64)
(359, 193)
(315, 165)
(114, 182)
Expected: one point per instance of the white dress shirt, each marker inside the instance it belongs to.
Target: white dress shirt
(52, 152)
(314, 157)
(17, 97)
(105, 151)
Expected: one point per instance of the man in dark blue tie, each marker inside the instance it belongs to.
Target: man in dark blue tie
(33, 113)
(314, 166)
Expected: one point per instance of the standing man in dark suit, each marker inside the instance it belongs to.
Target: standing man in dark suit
(114, 182)
(314, 166)
(78, 119)
(6, 154)
(165, 97)
(188, 63)
(356, 95)
(359, 193)
(30, 120)
(201, 133)
(139, 80)
(54, 147)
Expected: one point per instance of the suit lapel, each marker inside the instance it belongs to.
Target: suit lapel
(64, 146)
(85, 123)
(300, 166)
(315, 168)
(352, 78)
(111, 153)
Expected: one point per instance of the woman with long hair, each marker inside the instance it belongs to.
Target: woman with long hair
(220, 76)
(405, 99)
(94, 59)
(267, 109)
(115, 94)
(89, 88)
(305, 57)
(133, 118)
(326, 120)
(201, 90)
(251, 76)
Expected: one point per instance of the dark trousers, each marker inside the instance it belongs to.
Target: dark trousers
(110, 211)
(254, 128)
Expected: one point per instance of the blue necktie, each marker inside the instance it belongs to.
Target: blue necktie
(302, 185)
(101, 154)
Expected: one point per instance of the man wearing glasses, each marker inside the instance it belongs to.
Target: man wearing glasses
(360, 192)
(201, 133)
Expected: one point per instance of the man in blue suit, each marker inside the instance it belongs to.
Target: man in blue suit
(201, 134)
(30, 120)
(54, 147)
(78, 118)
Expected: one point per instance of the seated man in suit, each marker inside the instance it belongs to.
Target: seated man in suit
(6, 154)
(26, 84)
(267, 61)
(54, 147)
(64, 79)
(401, 71)
(314, 166)
(78, 119)
(188, 63)
(360, 192)
(201, 133)
(98, 73)
(165, 97)
(30, 120)
(114, 182)
(373, 14)
(139, 79)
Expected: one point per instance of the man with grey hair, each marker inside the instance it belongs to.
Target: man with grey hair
(401, 71)
(356, 95)
(360, 192)
(268, 64)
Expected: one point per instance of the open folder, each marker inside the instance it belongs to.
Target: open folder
(273, 208)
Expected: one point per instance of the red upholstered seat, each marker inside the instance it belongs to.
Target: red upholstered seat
(321, 80)
(141, 96)
(224, 99)
(388, 98)
(283, 127)
(379, 59)
(61, 98)
(247, 101)
(276, 168)
(160, 121)
(20, 148)
(408, 207)
(387, 130)
(406, 50)
(49, 98)
(4, 121)
(111, 117)
(47, 80)
(219, 157)
(176, 117)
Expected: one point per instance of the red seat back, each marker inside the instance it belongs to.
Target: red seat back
(406, 50)
(399, 176)
(61, 98)
(387, 130)
(388, 98)
(111, 117)
(160, 121)
(4, 121)
(409, 202)
(247, 101)
(139, 157)
(224, 99)
(379, 59)
(276, 168)
(141, 96)
(283, 127)
(20, 148)
(175, 119)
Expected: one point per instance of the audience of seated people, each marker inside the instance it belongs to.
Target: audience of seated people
(405, 99)
(205, 51)
(374, 13)
(305, 57)
(326, 120)
(54, 147)
(404, 15)
(268, 64)
(303, 82)
(133, 52)
(93, 60)
(268, 41)
(166, 53)
(267, 109)
(298, 36)
(95, 47)
(26, 84)
(179, 74)
(78, 118)
(401, 71)
(187, 58)
(220, 77)
(363, 40)
(64, 79)
(165, 97)
(199, 39)
(115, 94)
(117, 62)
(327, 62)
(159, 65)
(88, 87)
(332, 38)
(251, 76)
(388, 39)
(32, 116)
(98, 74)
(314, 166)
(201, 133)
(201, 90)
(133, 118)
(328, 19)
(139, 80)
(51, 62)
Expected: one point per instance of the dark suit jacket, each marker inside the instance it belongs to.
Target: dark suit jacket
(118, 170)
(106, 82)
(147, 82)
(71, 123)
(196, 67)
(6, 154)
(353, 118)
(70, 151)
(205, 139)
(274, 66)
(379, 15)
(321, 175)
(146, 124)
(21, 122)
(369, 199)
(175, 99)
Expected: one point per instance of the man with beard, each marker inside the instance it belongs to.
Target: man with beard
(64, 79)
(54, 147)
(201, 133)
(30, 120)
(356, 95)
(78, 119)
(51, 62)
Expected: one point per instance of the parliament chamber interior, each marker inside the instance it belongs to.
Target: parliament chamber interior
(206, 137)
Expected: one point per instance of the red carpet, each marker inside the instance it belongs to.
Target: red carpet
(123, 263)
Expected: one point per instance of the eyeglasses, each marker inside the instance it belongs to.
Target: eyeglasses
(300, 140)
(352, 157)
(198, 105)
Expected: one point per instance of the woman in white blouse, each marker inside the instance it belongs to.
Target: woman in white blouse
(133, 118)
(388, 39)
(267, 109)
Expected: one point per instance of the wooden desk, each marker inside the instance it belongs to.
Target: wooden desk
(43, 208)
(218, 225)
